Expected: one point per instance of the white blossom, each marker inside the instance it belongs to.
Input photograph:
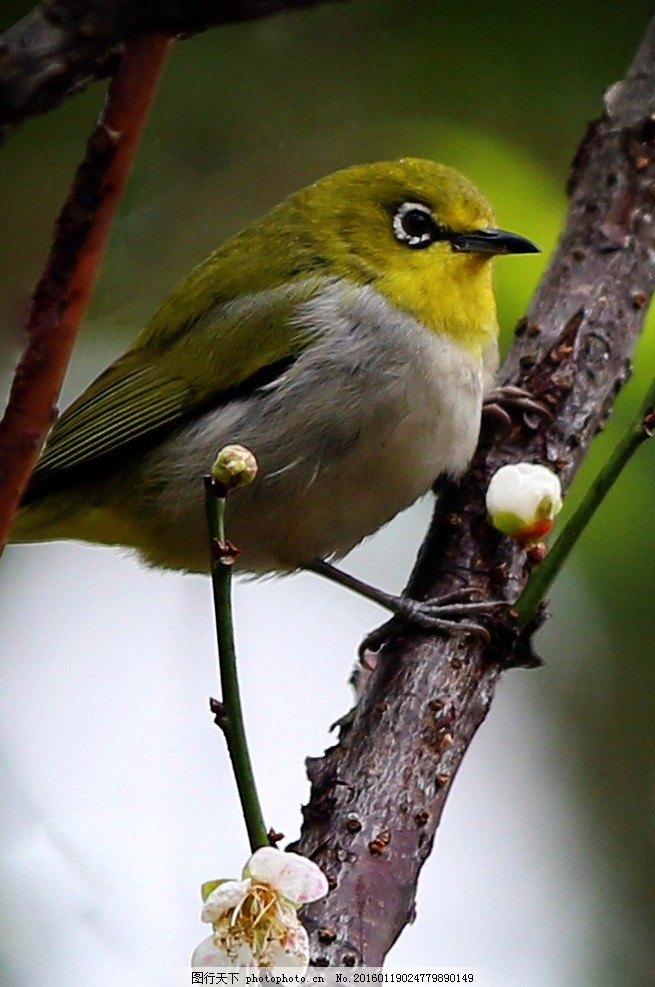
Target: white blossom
(255, 921)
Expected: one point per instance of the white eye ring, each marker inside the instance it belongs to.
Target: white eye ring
(414, 225)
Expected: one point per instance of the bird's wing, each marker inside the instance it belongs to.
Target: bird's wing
(174, 369)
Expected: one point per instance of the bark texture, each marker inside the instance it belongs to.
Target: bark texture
(377, 796)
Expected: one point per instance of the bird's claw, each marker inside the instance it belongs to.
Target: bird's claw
(374, 640)
(507, 396)
(442, 613)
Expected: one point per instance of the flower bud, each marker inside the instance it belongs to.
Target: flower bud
(235, 466)
(522, 500)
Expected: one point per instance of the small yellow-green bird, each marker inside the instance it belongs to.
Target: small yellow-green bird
(348, 339)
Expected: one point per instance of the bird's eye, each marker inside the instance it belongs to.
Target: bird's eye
(414, 225)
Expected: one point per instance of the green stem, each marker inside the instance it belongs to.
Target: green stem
(230, 718)
(640, 429)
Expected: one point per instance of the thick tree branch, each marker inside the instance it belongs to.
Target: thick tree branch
(62, 45)
(377, 796)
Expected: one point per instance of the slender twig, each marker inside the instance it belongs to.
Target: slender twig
(639, 430)
(63, 293)
(229, 712)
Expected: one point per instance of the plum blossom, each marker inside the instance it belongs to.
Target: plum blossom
(255, 921)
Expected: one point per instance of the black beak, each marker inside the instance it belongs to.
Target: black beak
(492, 242)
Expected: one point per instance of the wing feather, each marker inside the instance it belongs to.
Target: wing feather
(225, 349)
(141, 402)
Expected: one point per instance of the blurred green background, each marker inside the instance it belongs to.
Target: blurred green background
(245, 114)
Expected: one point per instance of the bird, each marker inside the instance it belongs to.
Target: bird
(348, 338)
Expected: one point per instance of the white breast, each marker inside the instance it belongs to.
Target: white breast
(358, 428)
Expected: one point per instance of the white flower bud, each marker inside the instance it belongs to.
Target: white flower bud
(522, 500)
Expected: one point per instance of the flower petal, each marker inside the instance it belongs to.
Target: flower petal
(292, 951)
(226, 952)
(209, 954)
(224, 899)
(296, 878)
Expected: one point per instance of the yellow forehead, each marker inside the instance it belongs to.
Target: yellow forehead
(372, 192)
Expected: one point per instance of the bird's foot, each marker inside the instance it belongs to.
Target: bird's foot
(450, 612)
(501, 400)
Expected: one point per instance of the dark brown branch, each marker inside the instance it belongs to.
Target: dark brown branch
(62, 45)
(377, 796)
(64, 290)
